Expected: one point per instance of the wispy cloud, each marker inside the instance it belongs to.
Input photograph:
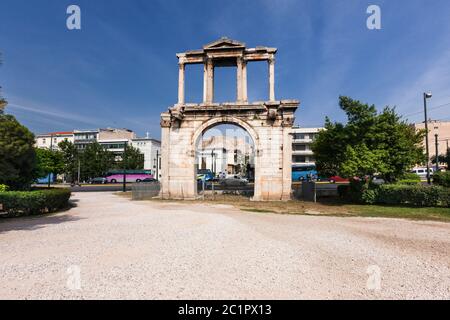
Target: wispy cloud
(52, 113)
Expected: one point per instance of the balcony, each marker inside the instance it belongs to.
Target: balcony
(302, 152)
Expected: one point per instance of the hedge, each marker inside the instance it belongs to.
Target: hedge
(442, 178)
(23, 203)
(418, 196)
(394, 194)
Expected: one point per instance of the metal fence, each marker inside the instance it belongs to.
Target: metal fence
(145, 190)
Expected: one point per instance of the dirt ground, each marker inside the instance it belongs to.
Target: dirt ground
(108, 247)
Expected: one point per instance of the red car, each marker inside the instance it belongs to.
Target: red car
(337, 179)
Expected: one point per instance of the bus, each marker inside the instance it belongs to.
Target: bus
(116, 176)
(304, 172)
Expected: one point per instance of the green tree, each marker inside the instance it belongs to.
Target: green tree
(132, 159)
(443, 158)
(70, 157)
(17, 154)
(95, 161)
(48, 161)
(369, 143)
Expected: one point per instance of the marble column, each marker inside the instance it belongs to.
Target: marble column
(239, 84)
(244, 81)
(271, 79)
(208, 82)
(181, 71)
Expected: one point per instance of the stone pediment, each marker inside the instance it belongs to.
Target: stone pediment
(224, 43)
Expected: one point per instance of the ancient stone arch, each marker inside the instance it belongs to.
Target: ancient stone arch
(269, 123)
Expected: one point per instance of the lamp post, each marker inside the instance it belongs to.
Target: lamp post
(425, 97)
(157, 165)
(124, 183)
(437, 151)
(51, 150)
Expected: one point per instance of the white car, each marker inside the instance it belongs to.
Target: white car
(422, 172)
(234, 180)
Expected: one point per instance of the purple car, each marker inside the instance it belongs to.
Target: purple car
(130, 177)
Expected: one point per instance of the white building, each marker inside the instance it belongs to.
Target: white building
(151, 148)
(52, 139)
(225, 154)
(301, 145)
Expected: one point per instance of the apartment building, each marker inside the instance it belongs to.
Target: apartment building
(52, 139)
(232, 155)
(439, 128)
(302, 139)
(151, 149)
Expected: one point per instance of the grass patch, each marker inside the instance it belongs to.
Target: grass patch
(332, 207)
(436, 214)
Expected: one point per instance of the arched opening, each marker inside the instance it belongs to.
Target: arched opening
(225, 160)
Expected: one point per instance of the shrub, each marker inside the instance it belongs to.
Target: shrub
(396, 194)
(22, 203)
(442, 178)
(358, 191)
(410, 179)
(3, 188)
(420, 196)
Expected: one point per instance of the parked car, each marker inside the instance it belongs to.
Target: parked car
(338, 179)
(234, 180)
(205, 175)
(422, 172)
(149, 180)
(378, 181)
(98, 180)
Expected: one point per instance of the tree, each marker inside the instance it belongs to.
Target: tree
(443, 158)
(370, 143)
(17, 154)
(47, 162)
(71, 158)
(132, 159)
(95, 161)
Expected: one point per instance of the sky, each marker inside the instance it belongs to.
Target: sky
(120, 70)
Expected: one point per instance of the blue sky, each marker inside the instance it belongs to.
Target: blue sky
(120, 69)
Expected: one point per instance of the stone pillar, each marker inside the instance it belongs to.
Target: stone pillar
(181, 70)
(208, 82)
(205, 82)
(239, 82)
(286, 152)
(271, 79)
(165, 156)
(244, 81)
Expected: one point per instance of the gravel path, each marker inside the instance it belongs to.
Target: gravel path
(123, 249)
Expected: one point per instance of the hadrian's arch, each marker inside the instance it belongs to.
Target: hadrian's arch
(269, 123)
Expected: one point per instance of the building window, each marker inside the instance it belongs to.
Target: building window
(297, 159)
(299, 136)
(299, 147)
(43, 141)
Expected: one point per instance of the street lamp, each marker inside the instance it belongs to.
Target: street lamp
(425, 97)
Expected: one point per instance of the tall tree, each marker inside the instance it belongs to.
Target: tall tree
(369, 143)
(48, 161)
(71, 157)
(132, 159)
(95, 161)
(17, 154)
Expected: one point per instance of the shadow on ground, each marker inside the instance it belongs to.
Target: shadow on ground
(39, 221)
